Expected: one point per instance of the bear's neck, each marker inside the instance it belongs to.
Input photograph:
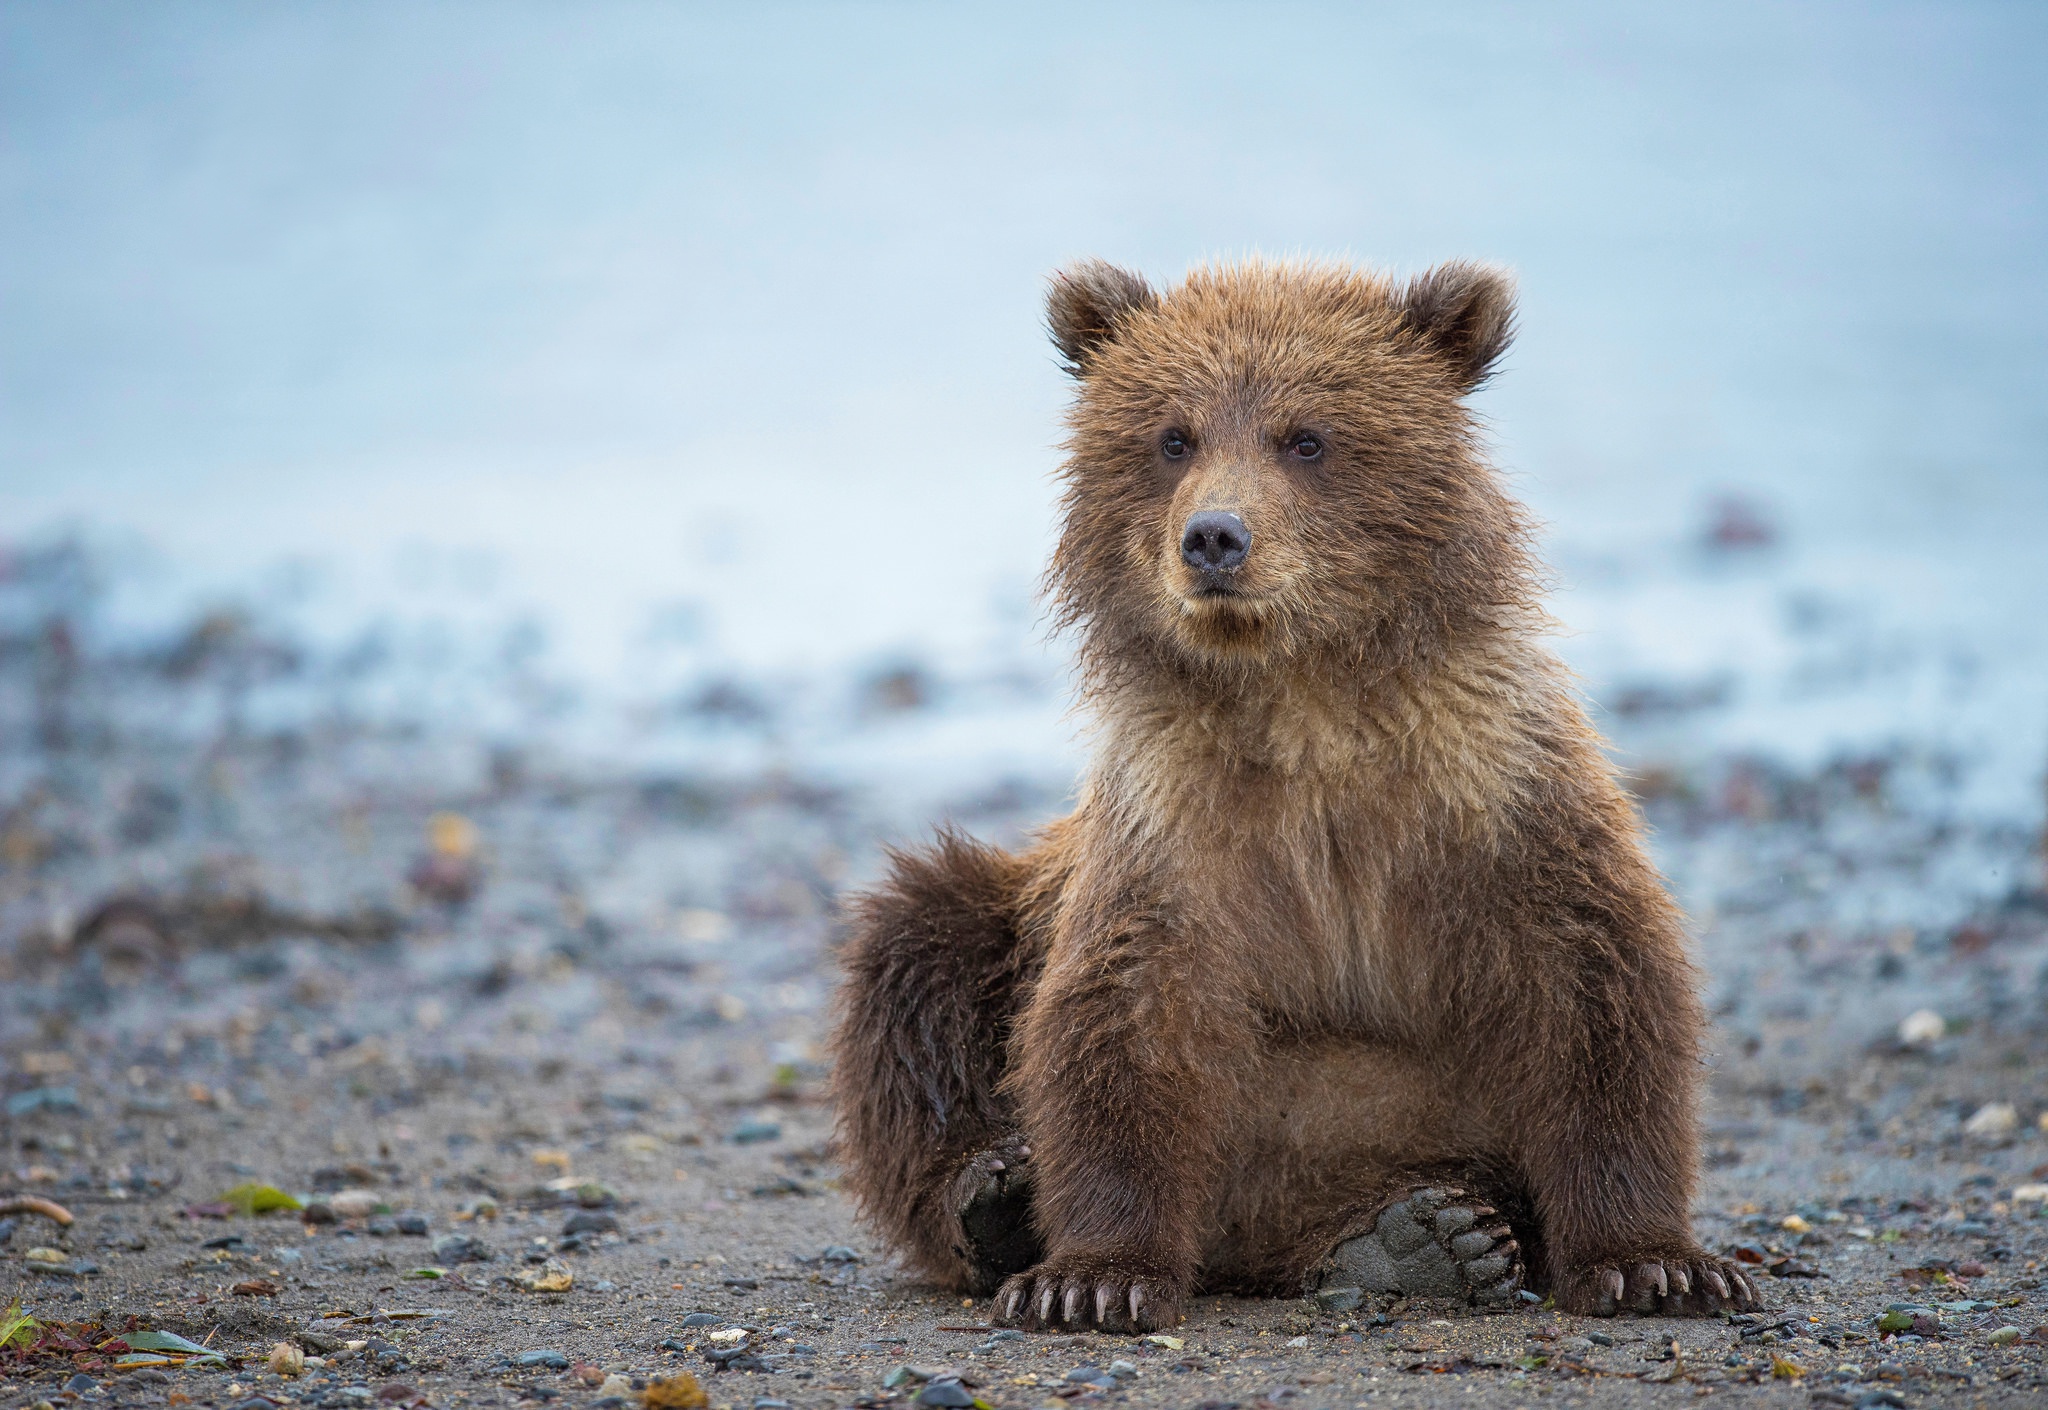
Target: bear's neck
(1462, 715)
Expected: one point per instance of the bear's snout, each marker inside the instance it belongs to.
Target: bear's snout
(1215, 542)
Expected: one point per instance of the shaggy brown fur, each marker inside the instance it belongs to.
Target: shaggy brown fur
(1351, 899)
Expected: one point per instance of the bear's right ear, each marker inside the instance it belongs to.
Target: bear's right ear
(1084, 305)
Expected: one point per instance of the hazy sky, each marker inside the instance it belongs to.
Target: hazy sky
(593, 310)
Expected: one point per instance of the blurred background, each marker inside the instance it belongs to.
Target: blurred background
(401, 404)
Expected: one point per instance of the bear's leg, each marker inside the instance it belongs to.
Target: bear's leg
(933, 972)
(1602, 1132)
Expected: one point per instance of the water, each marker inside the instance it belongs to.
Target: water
(636, 345)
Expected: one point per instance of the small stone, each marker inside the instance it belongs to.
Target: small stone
(591, 1221)
(412, 1225)
(749, 1132)
(769, 1402)
(2030, 1194)
(1339, 1299)
(1169, 1343)
(1992, 1121)
(700, 1319)
(1121, 1369)
(948, 1393)
(1922, 1027)
(318, 1212)
(2005, 1336)
(907, 1374)
(354, 1204)
(614, 1386)
(678, 1392)
(286, 1360)
(1600, 1339)
(81, 1383)
(46, 1257)
(552, 1276)
(382, 1228)
(553, 1360)
(840, 1253)
(461, 1248)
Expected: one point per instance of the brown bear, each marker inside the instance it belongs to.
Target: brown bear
(1349, 968)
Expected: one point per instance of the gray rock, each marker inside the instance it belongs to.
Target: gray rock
(1339, 1299)
(553, 1360)
(591, 1221)
(462, 1248)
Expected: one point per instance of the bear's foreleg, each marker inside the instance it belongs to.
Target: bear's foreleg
(935, 968)
(1124, 1079)
(1609, 1143)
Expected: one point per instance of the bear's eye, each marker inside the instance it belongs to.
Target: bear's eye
(1174, 445)
(1305, 447)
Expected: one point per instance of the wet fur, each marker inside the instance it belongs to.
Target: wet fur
(1351, 898)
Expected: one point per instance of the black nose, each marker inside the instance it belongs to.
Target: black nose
(1215, 541)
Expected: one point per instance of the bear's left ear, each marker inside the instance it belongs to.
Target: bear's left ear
(1466, 312)
(1084, 304)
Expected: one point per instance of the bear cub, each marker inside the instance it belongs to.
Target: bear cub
(1349, 968)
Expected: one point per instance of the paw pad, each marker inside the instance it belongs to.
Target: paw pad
(1432, 1242)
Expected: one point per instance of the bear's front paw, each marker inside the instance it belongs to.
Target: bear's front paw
(1689, 1283)
(1078, 1293)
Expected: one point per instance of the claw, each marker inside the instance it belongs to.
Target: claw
(1075, 1298)
(1104, 1292)
(1716, 1282)
(1137, 1304)
(1046, 1294)
(1681, 1279)
(1650, 1276)
(1611, 1288)
(1013, 1301)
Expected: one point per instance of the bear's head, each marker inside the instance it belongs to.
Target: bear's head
(1276, 459)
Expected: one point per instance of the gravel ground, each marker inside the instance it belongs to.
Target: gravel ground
(539, 1043)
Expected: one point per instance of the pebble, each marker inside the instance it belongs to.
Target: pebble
(700, 1319)
(2005, 1336)
(413, 1225)
(950, 1393)
(1992, 1121)
(354, 1204)
(552, 1276)
(749, 1132)
(553, 1360)
(769, 1402)
(591, 1221)
(461, 1248)
(1339, 1299)
(840, 1253)
(1922, 1027)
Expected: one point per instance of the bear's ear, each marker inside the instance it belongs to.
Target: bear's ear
(1084, 304)
(1466, 312)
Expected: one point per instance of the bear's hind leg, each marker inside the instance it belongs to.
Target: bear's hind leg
(934, 969)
